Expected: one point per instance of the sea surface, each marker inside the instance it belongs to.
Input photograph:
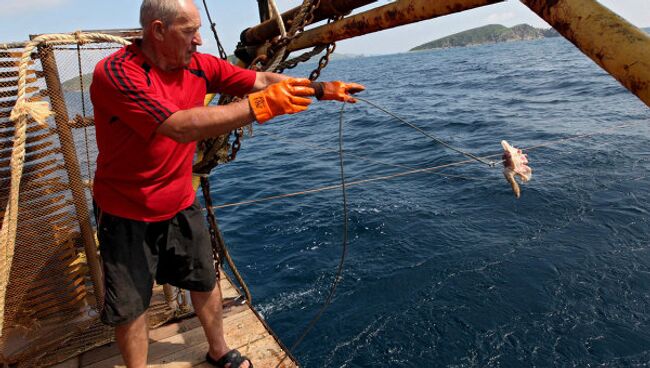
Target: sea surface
(446, 268)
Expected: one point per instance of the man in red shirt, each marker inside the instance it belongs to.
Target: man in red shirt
(148, 105)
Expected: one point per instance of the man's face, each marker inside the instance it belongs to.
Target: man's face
(182, 36)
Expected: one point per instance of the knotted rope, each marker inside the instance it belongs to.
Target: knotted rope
(22, 111)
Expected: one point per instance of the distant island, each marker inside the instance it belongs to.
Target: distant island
(73, 85)
(492, 33)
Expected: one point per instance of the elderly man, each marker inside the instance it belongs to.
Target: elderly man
(148, 104)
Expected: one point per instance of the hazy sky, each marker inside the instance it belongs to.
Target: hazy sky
(19, 18)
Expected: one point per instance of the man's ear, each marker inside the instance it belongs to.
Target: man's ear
(157, 30)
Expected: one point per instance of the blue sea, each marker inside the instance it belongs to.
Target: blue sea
(446, 268)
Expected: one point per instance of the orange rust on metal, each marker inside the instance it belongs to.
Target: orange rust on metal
(326, 9)
(72, 167)
(61, 219)
(14, 74)
(48, 306)
(30, 168)
(30, 129)
(617, 46)
(32, 175)
(14, 92)
(40, 207)
(10, 103)
(31, 139)
(35, 148)
(42, 293)
(33, 156)
(31, 185)
(67, 256)
(39, 194)
(10, 54)
(36, 232)
(14, 83)
(13, 64)
(388, 16)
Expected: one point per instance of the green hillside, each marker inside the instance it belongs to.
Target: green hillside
(73, 85)
(492, 33)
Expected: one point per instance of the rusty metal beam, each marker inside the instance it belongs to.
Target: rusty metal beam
(326, 9)
(609, 40)
(263, 7)
(384, 17)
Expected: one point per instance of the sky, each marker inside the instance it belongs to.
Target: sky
(20, 18)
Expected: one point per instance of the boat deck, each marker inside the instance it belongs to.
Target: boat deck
(183, 344)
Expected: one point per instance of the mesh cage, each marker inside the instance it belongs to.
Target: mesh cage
(50, 306)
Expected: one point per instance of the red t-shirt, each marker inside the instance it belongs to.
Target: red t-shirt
(143, 175)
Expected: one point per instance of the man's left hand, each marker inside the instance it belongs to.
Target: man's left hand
(337, 91)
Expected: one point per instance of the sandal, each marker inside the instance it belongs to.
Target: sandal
(233, 357)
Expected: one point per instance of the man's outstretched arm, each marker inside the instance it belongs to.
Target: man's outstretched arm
(288, 96)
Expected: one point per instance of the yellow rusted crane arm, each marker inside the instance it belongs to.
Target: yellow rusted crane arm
(617, 46)
(384, 17)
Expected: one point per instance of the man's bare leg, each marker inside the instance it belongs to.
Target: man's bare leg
(208, 308)
(133, 342)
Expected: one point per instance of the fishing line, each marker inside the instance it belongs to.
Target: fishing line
(431, 169)
(339, 272)
(432, 137)
(361, 157)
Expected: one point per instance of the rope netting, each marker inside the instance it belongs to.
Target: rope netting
(50, 284)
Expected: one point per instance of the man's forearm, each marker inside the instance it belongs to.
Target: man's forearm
(205, 122)
(265, 79)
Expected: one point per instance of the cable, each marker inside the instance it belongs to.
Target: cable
(434, 138)
(339, 271)
(360, 157)
(213, 27)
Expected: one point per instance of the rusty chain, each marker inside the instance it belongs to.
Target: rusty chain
(304, 17)
(322, 63)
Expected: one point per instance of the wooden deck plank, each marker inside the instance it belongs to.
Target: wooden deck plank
(264, 353)
(166, 349)
(227, 289)
(183, 344)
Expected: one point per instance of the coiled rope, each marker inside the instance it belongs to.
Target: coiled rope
(22, 111)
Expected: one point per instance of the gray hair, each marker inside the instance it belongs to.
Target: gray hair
(164, 10)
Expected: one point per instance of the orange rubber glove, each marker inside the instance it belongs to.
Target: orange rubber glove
(286, 97)
(337, 91)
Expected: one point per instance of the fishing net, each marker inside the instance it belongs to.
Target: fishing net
(48, 280)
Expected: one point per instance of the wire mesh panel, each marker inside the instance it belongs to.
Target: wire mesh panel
(50, 306)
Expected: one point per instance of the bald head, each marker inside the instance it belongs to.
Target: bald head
(164, 10)
(170, 32)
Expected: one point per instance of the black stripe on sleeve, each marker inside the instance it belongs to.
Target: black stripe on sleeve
(112, 68)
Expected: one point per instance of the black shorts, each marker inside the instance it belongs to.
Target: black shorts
(135, 253)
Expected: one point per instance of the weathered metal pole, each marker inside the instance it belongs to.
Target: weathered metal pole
(326, 9)
(384, 17)
(616, 45)
(263, 7)
(55, 92)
